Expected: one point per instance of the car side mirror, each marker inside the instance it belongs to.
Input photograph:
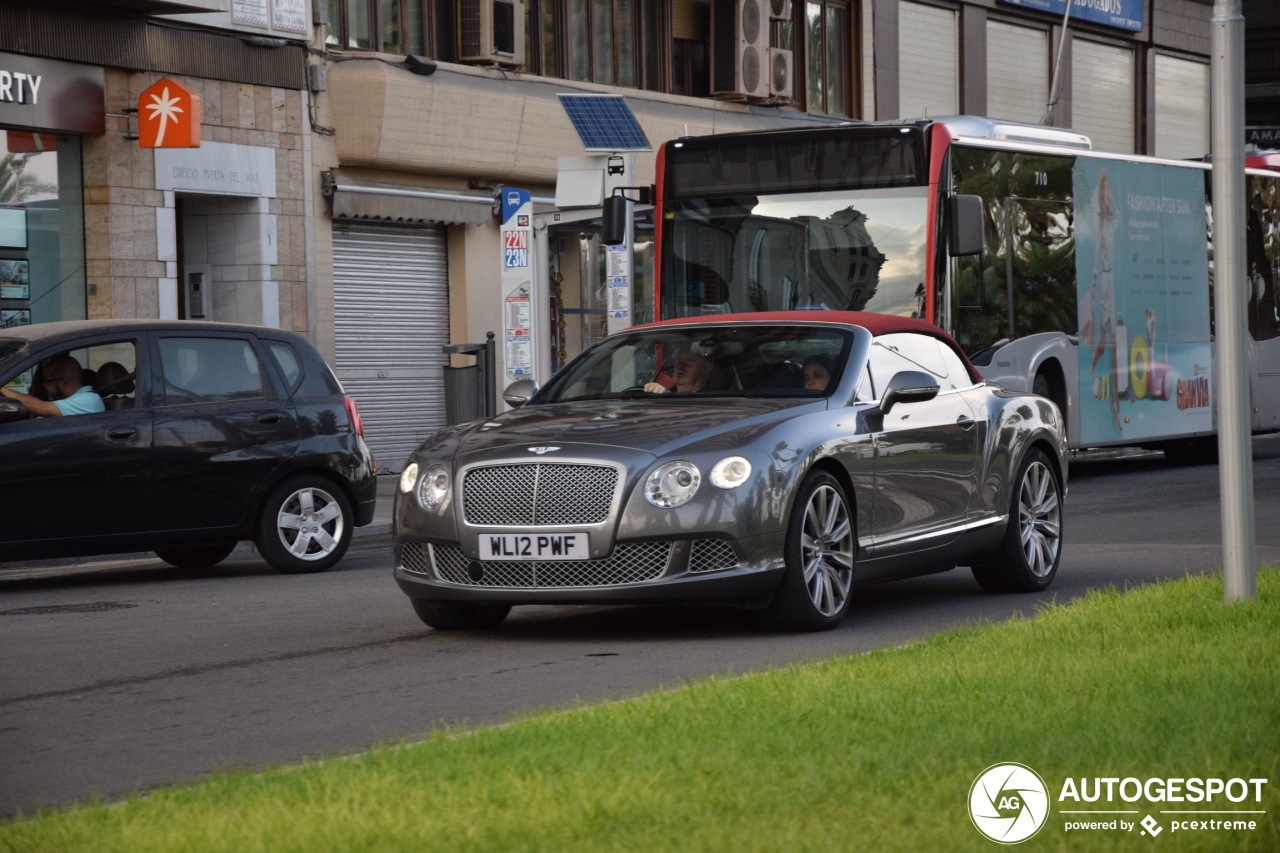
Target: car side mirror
(11, 411)
(519, 392)
(908, 386)
(964, 224)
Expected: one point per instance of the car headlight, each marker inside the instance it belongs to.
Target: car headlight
(433, 488)
(408, 478)
(731, 472)
(673, 484)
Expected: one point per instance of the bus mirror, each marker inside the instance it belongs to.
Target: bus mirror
(964, 221)
(613, 225)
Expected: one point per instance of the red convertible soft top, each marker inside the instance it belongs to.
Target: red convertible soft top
(876, 324)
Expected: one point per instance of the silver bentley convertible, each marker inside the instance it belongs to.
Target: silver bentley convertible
(768, 461)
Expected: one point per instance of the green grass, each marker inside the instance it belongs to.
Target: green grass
(869, 752)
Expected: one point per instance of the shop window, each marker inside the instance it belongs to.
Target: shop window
(42, 275)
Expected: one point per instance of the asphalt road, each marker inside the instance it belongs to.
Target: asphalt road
(120, 676)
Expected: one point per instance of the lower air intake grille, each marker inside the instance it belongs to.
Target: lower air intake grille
(711, 555)
(631, 563)
(414, 558)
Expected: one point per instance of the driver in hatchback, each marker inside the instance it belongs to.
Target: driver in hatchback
(63, 381)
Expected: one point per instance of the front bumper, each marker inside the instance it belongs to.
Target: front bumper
(651, 571)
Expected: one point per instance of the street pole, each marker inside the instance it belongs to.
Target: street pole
(1235, 471)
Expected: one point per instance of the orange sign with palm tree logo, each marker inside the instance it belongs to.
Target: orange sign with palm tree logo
(168, 116)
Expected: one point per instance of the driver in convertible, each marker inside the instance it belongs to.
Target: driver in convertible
(690, 374)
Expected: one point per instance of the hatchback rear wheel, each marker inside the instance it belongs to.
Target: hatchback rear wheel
(305, 525)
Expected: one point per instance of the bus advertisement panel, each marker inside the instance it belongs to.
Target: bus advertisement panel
(1079, 275)
(1142, 280)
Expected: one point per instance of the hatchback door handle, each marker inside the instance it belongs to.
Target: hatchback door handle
(965, 422)
(122, 433)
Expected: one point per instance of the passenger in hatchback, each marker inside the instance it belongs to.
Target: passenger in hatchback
(63, 381)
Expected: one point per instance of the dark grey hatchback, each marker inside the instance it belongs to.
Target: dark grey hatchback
(207, 434)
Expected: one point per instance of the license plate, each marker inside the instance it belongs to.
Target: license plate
(534, 546)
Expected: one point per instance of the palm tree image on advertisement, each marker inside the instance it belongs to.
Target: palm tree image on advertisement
(17, 185)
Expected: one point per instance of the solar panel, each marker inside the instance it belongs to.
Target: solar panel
(604, 123)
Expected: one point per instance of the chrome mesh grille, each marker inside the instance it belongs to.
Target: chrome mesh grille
(630, 563)
(711, 555)
(548, 494)
(414, 558)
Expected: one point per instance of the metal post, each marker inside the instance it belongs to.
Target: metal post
(1235, 473)
(490, 377)
(541, 306)
(1047, 118)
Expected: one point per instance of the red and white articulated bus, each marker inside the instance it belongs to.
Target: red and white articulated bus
(1083, 275)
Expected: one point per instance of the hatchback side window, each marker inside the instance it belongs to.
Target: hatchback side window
(287, 360)
(109, 370)
(203, 370)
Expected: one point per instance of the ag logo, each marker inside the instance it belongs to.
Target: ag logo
(1008, 803)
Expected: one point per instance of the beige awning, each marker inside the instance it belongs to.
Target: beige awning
(369, 201)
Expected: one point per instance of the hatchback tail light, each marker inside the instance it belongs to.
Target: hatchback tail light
(353, 415)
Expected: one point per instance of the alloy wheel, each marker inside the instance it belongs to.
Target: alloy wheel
(827, 550)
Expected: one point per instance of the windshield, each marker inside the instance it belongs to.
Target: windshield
(861, 250)
(699, 362)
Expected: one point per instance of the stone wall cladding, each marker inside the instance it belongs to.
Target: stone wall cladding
(124, 273)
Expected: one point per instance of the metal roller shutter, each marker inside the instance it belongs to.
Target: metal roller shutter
(929, 61)
(1182, 108)
(1017, 72)
(1102, 94)
(391, 318)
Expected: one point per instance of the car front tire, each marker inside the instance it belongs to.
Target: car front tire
(197, 558)
(1029, 556)
(814, 593)
(305, 525)
(459, 616)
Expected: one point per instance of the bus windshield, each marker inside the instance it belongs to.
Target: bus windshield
(856, 250)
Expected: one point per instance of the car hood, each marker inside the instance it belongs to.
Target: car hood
(653, 426)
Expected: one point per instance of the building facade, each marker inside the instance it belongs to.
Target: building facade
(355, 153)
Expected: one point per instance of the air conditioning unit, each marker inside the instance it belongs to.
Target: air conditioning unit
(779, 10)
(491, 31)
(740, 48)
(781, 73)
